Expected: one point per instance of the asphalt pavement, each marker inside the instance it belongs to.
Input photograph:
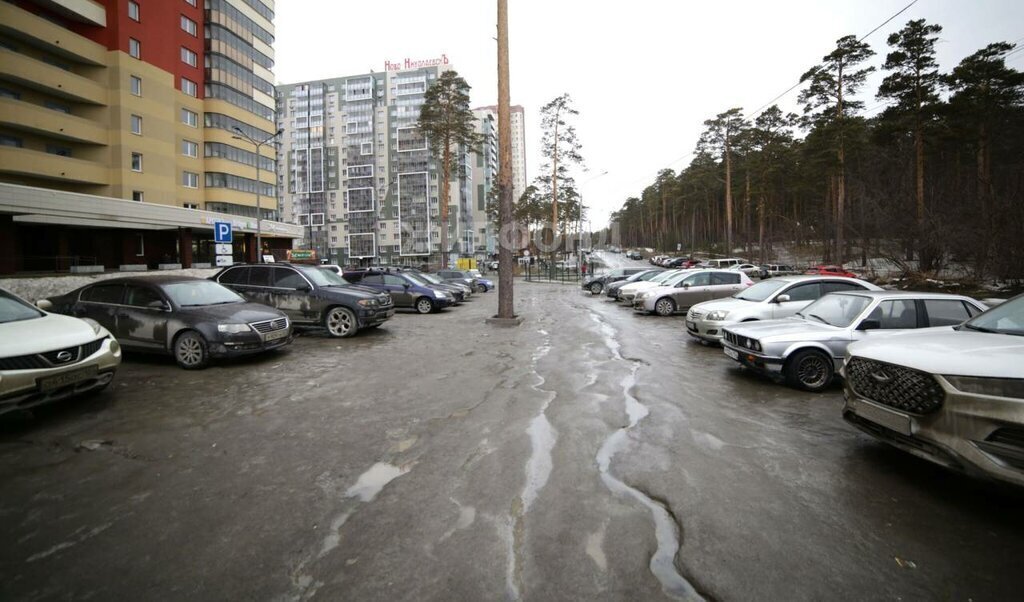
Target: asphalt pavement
(588, 454)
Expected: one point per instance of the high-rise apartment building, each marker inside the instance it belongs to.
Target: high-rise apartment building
(357, 175)
(104, 102)
(518, 123)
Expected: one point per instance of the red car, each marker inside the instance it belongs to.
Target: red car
(830, 270)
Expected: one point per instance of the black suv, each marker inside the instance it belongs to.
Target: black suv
(310, 296)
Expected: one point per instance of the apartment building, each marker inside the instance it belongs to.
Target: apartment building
(126, 129)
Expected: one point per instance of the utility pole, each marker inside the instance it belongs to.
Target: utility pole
(506, 230)
(259, 211)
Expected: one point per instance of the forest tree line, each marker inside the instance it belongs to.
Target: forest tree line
(935, 177)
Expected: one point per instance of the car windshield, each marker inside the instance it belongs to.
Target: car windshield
(418, 278)
(662, 277)
(475, 273)
(322, 277)
(675, 279)
(200, 292)
(13, 309)
(835, 310)
(332, 273)
(760, 291)
(1007, 318)
(427, 277)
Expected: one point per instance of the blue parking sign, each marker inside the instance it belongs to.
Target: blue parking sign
(221, 231)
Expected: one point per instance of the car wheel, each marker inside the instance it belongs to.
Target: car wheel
(809, 370)
(665, 307)
(340, 322)
(190, 350)
(595, 288)
(480, 288)
(424, 305)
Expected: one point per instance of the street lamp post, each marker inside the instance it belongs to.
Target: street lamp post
(259, 211)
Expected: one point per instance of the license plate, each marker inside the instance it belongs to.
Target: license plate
(275, 335)
(883, 416)
(68, 378)
(731, 353)
(690, 325)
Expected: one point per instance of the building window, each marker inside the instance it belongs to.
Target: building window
(192, 2)
(189, 148)
(190, 118)
(189, 87)
(191, 205)
(8, 93)
(136, 85)
(188, 57)
(14, 141)
(62, 151)
(133, 10)
(189, 26)
(57, 106)
(137, 195)
(136, 161)
(134, 48)
(136, 124)
(189, 179)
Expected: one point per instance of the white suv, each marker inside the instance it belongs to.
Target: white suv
(951, 396)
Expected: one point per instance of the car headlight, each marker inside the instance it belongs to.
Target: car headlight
(439, 294)
(718, 315)
(367, 302)
(233, 328)
(1000, 387)
(96, 328)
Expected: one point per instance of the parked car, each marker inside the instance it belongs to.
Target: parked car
(655, 259)
(634, 255)
(460, 291)
(309, 296)
(612, 290)
(404, 291)
(748, 268)
(807, 349)
(830, 270)
(771, 300)
(772, 270)
(192, 319)
(47, 357)
(953, 396)
(629, 291)
(482, 284)
(460, 276)
(690, 288)
(723, 263)
(596, 283)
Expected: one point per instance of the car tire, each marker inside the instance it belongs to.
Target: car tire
(340, 322)
(190, 350)
(665, 307)
(595, 288)
(480, 288)
(424, 305)
(809, 370)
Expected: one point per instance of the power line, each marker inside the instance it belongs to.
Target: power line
(887, 21)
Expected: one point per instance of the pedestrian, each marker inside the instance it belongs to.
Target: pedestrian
(583, 268)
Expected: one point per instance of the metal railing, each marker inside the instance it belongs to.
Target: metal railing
(542, 271)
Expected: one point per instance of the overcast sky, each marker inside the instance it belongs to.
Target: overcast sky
(644, 74)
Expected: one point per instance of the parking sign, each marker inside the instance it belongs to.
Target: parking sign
(221, 232)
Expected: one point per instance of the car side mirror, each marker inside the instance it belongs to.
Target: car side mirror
(782, 298)
(406, 285)
(869, 324)
(158, 305)
(303, 288)
(686, 285)
(44, 304)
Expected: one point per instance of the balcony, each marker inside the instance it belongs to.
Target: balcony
(36, 164)
(49, 79)
(28, 117)
(41, 33)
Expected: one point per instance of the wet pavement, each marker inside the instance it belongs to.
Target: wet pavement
(588, 454)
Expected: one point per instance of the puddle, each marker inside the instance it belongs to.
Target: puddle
(370, 483)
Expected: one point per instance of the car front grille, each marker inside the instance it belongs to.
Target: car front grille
(695, 315)
(898, 387)
(47, 359)
(270, 325)
(740, 341)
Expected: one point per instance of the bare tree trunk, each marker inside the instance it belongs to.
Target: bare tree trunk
(505, 264)
(841, 185)
(728, 196)
(554, 187)
(746, 214)
(762, 257)
(446, 186)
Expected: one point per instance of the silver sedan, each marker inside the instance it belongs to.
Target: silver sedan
(807, 350)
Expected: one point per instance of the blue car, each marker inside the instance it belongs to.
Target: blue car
(474, 281)
(404, 291)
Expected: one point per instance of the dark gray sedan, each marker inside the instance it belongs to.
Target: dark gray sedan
(192, 319)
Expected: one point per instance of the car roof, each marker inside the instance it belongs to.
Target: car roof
(157, 280)
(816, 277)
(904, 294)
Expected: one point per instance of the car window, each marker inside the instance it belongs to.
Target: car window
(288, 278)
(141, 296)
(391, 279)
(373, 279)
(103, 293)
(972, 310)
(897, 314)
(838, 287)
(836, 310)
(699, 279)
(945, 312)
(804, 292)
(720, 278)
(13, 309)
(234, 276)
(261, 275)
